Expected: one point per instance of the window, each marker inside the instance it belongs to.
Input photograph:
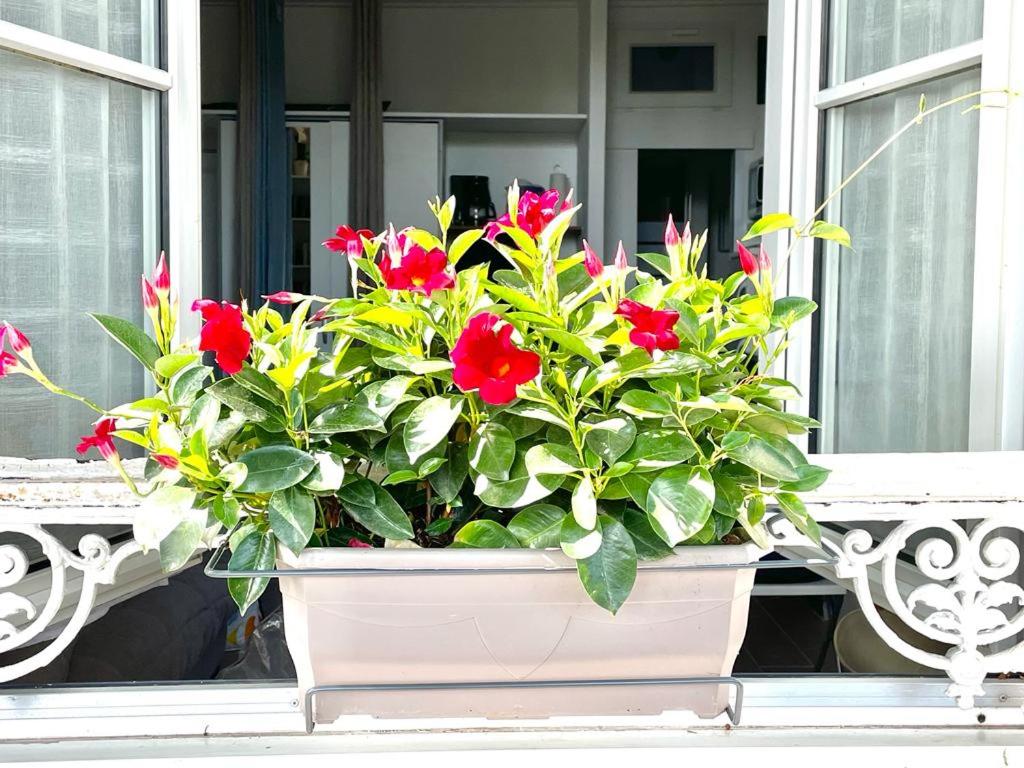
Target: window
(916, 347)
(81, 195)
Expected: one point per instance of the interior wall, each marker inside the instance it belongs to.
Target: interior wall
(736, 121)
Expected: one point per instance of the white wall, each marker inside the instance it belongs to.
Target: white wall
(735, 121)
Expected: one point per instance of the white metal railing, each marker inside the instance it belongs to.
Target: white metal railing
(966, 509)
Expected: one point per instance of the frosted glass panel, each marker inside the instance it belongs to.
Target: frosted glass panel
(870, 35)
(903, 314)
(123, 27)
(78, 191)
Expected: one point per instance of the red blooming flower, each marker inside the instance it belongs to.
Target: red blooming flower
(223, 333)
(748, 263)
(652, 328)
(100, 439)
(348, 240)
(533, 214)
(359, 543)
(284, 297)
(591, 261)
(165, 460)
(487, 360)
(161, 277)
(419, 270)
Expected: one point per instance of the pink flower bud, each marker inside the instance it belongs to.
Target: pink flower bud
(671, 235)
(319, 315)
(284, 297)
(19, 341)
(591, 261)
(763, 260)
(149, 297)
(621, 262)
(684, 240)
(359, 543)
(748, 263)
(161, 277)
(165, 460)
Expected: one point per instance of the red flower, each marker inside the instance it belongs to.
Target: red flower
(100, 439)
(284, 297)
(348, 240)
(487, 360)
(591, 261)
(359, 543)
(161, 277)
(418, 270)
(165, 460)
(652, 328)
(748, 263)
(534, 213)
(223, 333)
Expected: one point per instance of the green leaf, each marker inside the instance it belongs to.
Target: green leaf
(609, 574)
(811, 477)
(584, 503)
(649, 545)
(131, 337)
(833, 232)
(274, 468)
(552, 459)
(611, 438)
(382, 397)
(377, 337)
(374, 508)
(538, 526)
(180, 544)
(514, 298)
(486, 534)
(797, 514)
(430, 465)
(571, 343)
(345, 417)
(492, 449)
(517, 491)
(461, 244)
(576, 542)
(188, 383)
(429, 424)
(255, 552)
(447, 481)
(168, 365)
(760, 455)
(238, 398)
(679, 503)
(659, 261)
(328, 474)
(226, 509)
(770, 222)
(397, 460)
(659, 448)
(791, 309)
(645, 405)
(292, 513)
(401, 476)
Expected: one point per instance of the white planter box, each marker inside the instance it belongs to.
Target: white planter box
(506, 625)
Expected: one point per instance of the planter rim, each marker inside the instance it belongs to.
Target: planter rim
(441, 559)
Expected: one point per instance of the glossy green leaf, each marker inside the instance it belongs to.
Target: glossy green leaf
(255, 552)
(187, 383)
(538, 526)
(811, 477)
(238, 398)
(131, 337)
(447, 480)
(374, 508)
(345, 417)
(608, 575)
(760, 455)
(577, 542)
(611, 438)
(168, 365)
(292, 513)
(382, 397)
(492, 449)
(659, 261)
(659, 448)
(462, 243)
(645, 405)
(517, 491)
(180, 544)
(679, 502)
(486, 534)
(826, 231)
(552, 459)
(227, 510)
(649, 545)
(770, 222)
(274, 468)
(795, 511)
(429, 424)
(791, 309)
(328, 474)
(584, 503)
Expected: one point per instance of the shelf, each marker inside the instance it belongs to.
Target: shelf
(498, 122)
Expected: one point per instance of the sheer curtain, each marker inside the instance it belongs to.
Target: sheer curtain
(78, 203)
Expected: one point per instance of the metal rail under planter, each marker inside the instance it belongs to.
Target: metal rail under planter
(734, 711)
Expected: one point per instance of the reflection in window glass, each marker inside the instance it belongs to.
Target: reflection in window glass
(870, 35)
(78, 191)
(123, 27)
(902, 306)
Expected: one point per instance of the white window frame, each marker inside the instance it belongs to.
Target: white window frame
(791, 179)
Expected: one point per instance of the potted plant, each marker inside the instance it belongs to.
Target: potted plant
(548, 452)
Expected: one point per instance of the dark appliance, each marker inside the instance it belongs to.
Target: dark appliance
(473, 205)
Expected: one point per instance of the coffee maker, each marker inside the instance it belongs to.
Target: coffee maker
(473, 205)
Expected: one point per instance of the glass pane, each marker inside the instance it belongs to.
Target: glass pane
(123, 27)
(869, 35)
(78, 195)
(902, 298)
